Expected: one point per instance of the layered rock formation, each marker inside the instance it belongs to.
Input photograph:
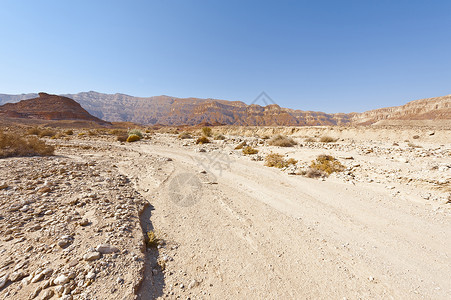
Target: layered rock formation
(48, 107)
(191, 111)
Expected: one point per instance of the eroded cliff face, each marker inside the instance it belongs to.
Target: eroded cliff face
(438, 108)
(191, 111)
(47, 107)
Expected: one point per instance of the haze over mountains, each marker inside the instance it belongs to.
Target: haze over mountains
(190, 111)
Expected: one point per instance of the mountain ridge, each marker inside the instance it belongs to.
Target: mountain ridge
(169, 110)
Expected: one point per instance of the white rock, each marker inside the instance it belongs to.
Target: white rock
(92, 256)
(62, 279)
(3, 280)
(91, 275)
(106, 249)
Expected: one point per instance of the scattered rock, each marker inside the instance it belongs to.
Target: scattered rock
(61, 279)
(90, 256)
(106, 249)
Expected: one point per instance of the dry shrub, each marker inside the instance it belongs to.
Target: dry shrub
(314, 173)
(327, 164)
(122, 138)
(310, 140)
(184, 135)
(240, 146)
(277, 160)
(13, 145)
(281, 141)
(203, 140)
(69, 132)
(220, 137)
(46, 132)
(206, 131)
(249, 150)
(133, 138)
(34, 131)
(292, 161)
(327, 139)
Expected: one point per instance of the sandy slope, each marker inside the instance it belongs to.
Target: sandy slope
(242, 230)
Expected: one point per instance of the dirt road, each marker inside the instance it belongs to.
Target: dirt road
(236, 229)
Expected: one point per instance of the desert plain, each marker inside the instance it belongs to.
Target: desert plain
(168, 218)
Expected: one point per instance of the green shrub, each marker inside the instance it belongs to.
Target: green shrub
(133, 138)
(135, 132)
(203, 140)
(249, 150)
(281, 141)
(327, 164)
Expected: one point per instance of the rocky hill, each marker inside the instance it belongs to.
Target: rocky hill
(176, 111)
(48, 107)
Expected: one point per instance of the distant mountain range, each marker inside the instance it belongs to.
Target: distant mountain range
(191, 111)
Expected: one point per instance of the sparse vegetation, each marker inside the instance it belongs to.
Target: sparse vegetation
(184, 135)
(135, 132)
(219, 137)
(122, 138)
(281, 141)
(278, 161)
(327, 139)
(133, 138)
(314, 173)
(13, 145)
(240, 146)
(327, 164)
(46, 132)
(153, 239)
(34, 131)
(249, 150)
(203, 140)
(206, 131)
(69, 132)
(310, 140)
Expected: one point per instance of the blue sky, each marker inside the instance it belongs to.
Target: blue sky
(332, 56)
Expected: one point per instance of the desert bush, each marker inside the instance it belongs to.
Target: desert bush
(203, 140)
(82, 134)
(240, 146)
(327, 164)
(206, 131)
(69, 132)
(184, 135)
(135, 132)
(249, 150)
(219, 137)
(34, 131)
(314, 173)
(327, 139)
(277, 160)
(153, 239)
(310, 140)
(281, 141)
(47, 132)
(133, 138)
(292, 161)
(13, 145)
(122, 138)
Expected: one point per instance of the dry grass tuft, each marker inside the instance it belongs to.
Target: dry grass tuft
(310, 140)
(133, 138)
(281, 141)
(206, 131)
(240, 146)
(327, 164)
(13, 145)
(327, 139)
(202, 140)
(46, 132)
(184, 135)
(219, 137)
(249, 150)
(278, 161)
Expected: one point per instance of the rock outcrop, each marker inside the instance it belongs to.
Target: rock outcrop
(48, 107)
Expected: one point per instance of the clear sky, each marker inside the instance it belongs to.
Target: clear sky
(331, 56)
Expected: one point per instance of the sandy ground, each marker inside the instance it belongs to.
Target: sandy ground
(234, 228)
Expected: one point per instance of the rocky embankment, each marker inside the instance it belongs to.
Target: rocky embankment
(70, 228)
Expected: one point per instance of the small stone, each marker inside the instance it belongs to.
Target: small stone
(36, 292)
(91, 275)
(193, 284)
(63, 243)
(62, 279)
(106, 249)
(48, 294)
(84, 222)
(37, 277)
(3, 186)
(16, 276)
(92, 256)
(3, 280)
(120, 280)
